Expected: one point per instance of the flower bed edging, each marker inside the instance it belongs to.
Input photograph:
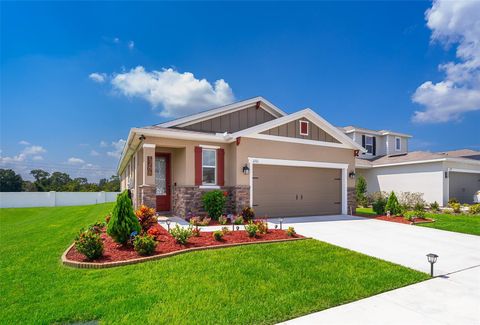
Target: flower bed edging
(394, 219)
(89, 265)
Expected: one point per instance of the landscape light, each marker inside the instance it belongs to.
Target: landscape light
(432, 259)
(168, 224)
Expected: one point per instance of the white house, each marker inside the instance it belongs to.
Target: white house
(389, 166)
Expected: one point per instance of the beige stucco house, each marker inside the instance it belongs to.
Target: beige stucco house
(280, 164)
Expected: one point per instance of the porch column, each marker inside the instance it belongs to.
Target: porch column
(147, 188)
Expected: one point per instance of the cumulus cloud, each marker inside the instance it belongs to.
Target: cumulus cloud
(24, 143)
(37, 158)
(453, 23)
(131, 45)
(98, 77)
(103, 144)
(173, 93)
(35, 151)
(117, 148)
(75, 161)
(94, 153)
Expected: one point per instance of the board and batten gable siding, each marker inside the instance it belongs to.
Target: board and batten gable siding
(292, 130)
(233, 122)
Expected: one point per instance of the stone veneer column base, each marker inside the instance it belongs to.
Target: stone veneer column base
(189, 199)
(147, 196)
(351, 200)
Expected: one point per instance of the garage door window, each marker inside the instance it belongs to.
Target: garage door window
(209, 166)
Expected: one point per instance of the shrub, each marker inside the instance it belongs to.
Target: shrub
(146, 217)
(392, 205)
(154, 231)
(360, 190)
(223, 220)
(89, 244)
(410, 215)
(199, 221)
(291, 231)
(435, 207)
(107, 218)
(144, 244)
(181, 234)
(123, 220)
(238, 220)
(248, 214)
(214, 203)
(196, 232)
(225, 230)
(218, 235)
(379, 205)
(452, 200)
(252, 229)
(262, 226)
(205, 221)
(411, 200)
(96, 227)
(456, 207)
(475, 209)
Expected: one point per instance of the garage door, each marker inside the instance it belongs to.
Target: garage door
(284, 191)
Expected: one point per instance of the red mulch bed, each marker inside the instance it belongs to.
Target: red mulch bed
(114, 252)
(397, 219)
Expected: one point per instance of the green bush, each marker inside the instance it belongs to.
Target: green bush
(291, 231)
(410, 215)
(475, 209)
(252, 229)
(214, 203)
(96, 227)
(218, 235)
(379, 205)
(123, 220)
(456, 207)
(392, 205)
(360, 191)
(89, 244)
(144, 244)
(238, 220)
(452, 200)
(223, 220)
(248, 214)
(435, 207)
(181, 234)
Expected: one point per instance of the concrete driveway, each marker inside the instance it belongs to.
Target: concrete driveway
(453, 298)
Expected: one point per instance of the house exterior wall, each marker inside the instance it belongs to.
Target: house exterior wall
(233, 122)
(390, 145)
(427, 178)
(292, 130)
(385, 143)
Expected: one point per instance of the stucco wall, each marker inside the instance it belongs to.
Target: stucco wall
(425, 178)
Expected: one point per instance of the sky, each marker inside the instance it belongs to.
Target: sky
(75, 77)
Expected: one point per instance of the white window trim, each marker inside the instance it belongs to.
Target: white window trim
(366, 137)
(308, 127)
(208, 166)
(300, 163)
(399, 142)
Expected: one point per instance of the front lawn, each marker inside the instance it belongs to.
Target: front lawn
(464, 223)
(242, 285)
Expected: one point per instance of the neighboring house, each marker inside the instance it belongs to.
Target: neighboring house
(388, 166)
(281, 164)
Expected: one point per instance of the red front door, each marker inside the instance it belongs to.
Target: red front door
(162, 181)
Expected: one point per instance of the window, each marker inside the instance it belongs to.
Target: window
(209, 166)
(398, 144)
(303, 127)
(369, 144)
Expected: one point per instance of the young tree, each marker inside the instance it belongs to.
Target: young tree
(10, 181)
(360, 190)
(392, 205)
(123, 220)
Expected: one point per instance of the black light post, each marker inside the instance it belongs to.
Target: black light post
(432, 258)
(168, 224)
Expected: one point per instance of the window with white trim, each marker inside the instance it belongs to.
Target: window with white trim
(304, 128)
(209, 166)
(369, 144)
(398, 144)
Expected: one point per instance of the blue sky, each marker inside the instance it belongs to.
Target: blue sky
(353, 63)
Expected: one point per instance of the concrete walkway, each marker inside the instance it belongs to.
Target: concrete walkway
(453, 298)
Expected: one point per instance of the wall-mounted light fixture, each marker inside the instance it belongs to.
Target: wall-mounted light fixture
(352, 175)
(246, 169)
(141, 138)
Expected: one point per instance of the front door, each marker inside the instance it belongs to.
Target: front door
(162, 181)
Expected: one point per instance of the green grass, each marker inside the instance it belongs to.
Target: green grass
(463, 223)
(241, 285)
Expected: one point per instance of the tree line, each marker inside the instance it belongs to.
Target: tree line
(56, 181)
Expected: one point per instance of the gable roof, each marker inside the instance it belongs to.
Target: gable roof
(345, 140)
(351, 129)
(219, 111)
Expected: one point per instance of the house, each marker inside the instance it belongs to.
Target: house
(387, 165)
(280, 164)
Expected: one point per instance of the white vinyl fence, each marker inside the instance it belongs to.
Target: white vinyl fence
(53, 199)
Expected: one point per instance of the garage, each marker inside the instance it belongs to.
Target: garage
(288, 191)
(463, 186)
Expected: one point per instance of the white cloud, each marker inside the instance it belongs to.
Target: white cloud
(116, 40)
(94, 153)
(453, 22)
(75, 161)
(131, 45)
(117, 148)
(34, 150)
(103, 144)
(37, 158)
(177, 93)
(98, 77)
(24, 143)
(24, 154)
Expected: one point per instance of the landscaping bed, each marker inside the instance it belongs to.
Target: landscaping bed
(397, 219)
(114, 252)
